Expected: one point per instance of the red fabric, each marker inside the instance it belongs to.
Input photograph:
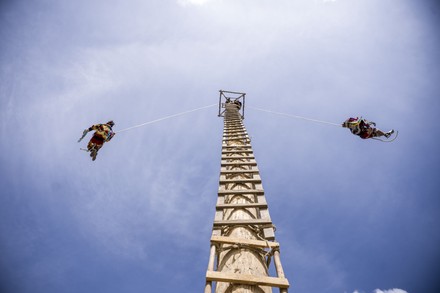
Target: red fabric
(98, 140)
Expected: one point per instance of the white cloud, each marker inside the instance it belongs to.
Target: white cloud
(390, 291)
(395, 290)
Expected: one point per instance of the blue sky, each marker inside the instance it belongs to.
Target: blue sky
(352, 216)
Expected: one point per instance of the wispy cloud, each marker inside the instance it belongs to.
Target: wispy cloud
(390, 291)
(395, 290)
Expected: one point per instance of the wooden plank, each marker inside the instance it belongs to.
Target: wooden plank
(235, 132)
(238, 146)
(241, 191)
(238, 163)
(237, 139)
(244, 180)
(237, 151)
(243, 222)
(247, 279)
(237, 157)
(246, 144)
(234, 128)
(251, 242)
(239, 171)
(240, 205)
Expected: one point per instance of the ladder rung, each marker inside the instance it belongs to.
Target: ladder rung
(251, 242)
(238, 163)
(247, 279)
(238, 133)
(241, 205)
(236, 124)
(237, 157)
(243, 222)
(246, 144)
(240, 181)
(232, 132)
(239, 171)
(237, 146)
(237, 151)
(241, 191)
(236, 138)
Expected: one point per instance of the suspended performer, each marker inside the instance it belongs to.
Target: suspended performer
(103, 133)
(365, 129)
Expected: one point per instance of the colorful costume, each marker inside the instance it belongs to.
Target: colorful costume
(364, 129)
(103, 133)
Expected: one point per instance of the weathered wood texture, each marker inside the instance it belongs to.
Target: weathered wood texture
(242, 232)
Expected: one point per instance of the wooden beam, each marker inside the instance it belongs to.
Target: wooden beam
(239, 171)
(238, 163)
(243, 222)
(236, 132)
(247, 279)
(232, 137)
(237, 157)
(237, 146)
(251, 242)
(240, 205)
(244, 180)
(241, 191)
(237, 139)
(237, 151)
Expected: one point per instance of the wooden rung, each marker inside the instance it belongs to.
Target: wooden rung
(243, 222)
(240, 205)
(235, 132)
(241, 180)
(234, 127)
(224, 164)
(241, 191)
(237, 139)
(245, 145)
(251, 242)
(237, 151)
(237, 157)
(235, 146)
(239, 171)
(247, 279)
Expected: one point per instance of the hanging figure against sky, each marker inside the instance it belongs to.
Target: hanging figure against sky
(365, 129)
(103, 133)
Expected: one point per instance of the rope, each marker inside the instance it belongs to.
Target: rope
(164, 118)
(296, 116)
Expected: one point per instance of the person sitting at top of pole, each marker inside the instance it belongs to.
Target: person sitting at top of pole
(103, 133)
(365, 129)
(236, 102)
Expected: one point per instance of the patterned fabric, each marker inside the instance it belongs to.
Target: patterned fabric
(360, 127)
(103, 132)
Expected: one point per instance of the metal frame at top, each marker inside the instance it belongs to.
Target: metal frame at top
(234, 96)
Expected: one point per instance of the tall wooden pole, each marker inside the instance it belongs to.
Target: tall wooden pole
(243, 238)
